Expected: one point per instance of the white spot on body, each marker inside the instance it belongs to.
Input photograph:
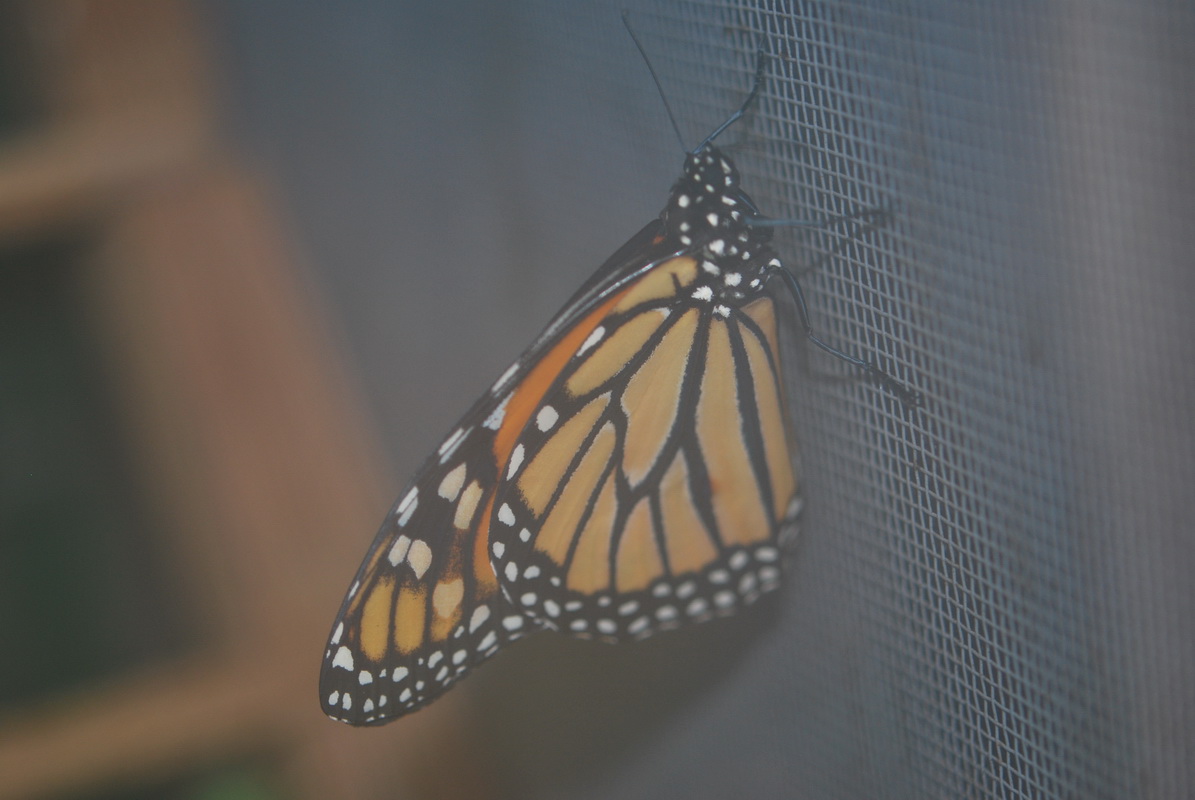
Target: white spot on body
(419, 557)
(722, 311)
(733, 279)
(450, 487)
(546, 418)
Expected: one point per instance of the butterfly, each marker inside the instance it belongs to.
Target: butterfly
(633, 471)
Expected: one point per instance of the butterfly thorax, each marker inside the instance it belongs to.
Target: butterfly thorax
(711, 217)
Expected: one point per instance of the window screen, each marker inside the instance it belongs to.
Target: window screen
(992, 596)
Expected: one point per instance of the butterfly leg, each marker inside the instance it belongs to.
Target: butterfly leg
(905, 394)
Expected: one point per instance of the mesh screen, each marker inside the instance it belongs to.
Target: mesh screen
(993, 594)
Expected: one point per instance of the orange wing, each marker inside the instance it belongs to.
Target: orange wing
(657, 481)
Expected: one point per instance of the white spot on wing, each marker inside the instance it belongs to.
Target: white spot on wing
(338, 633)
(467, 505)
(494, 420)
(505, 515)
(452, 443)
(419, 557)
(399, 551)
(546, 418)
(480, 615)
(343, 659)
(703, 293)
(516, 461)
(450, 487)
(593, 339)
(506, 376)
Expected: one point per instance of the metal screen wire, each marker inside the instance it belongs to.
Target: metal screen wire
(992, 596)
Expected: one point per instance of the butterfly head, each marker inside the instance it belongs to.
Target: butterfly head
(709, 213)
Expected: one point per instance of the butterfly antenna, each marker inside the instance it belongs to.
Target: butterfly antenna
(626, 21)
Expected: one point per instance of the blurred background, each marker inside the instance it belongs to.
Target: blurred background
(255, 258)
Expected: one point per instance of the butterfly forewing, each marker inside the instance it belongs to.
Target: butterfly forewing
(656, 478)
(424, 608)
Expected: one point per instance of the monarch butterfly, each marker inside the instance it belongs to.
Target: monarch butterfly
(631, 472)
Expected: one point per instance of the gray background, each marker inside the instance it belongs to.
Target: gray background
(993, 596)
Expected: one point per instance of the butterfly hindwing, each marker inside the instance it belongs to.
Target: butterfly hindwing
(655, 480)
